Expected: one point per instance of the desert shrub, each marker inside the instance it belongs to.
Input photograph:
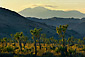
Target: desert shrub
(29, 49)
(79, 46)
(26, 50)
(13, 44)
(9, 49)
(16, 48)
(71, 51)
(4, 49)
(23, 50)
(19, 50)
(83, 49)
(41, 47)
(57, 50)
(1, 49)
(53, 48)
(32, 47)
(60, 49)
(71, 44)
(24, 47)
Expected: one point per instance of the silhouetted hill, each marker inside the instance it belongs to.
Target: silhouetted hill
(11, 22)
(42, 12)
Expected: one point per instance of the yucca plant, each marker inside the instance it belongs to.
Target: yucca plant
(19, 38)
(36, 35)
(61, 30)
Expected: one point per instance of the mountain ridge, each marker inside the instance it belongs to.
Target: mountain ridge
(42, 12)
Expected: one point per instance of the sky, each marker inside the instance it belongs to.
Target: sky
(66, 5)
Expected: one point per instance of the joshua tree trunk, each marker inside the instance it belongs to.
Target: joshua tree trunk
(24, 44)
(62, 52)
(2, 44)
(39, 44)
(68, 43)
(52, 44)
(44, 43)
(35, 48)
(20, 45)
(6, 44)
(63, 41)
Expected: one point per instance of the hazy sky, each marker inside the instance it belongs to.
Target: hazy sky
(18, 5)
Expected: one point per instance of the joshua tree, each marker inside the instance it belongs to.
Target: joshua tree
(43, 37)
(10, 40)
(1, 42)
(84, 40)
(19, 36)
(52, 40)
(5, 41)
(55, 41)
(61, 30)
(14, 40)
(24, 40)
(75, 41)
(36, 35)
(80, 42)
(71, 40)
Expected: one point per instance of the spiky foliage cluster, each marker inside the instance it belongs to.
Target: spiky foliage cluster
(61, 30)
(20, 38)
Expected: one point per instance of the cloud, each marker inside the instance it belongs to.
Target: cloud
(51, 6)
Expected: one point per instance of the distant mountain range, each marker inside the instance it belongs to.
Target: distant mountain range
(11, 22)
(77, 25)
(42, 12)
